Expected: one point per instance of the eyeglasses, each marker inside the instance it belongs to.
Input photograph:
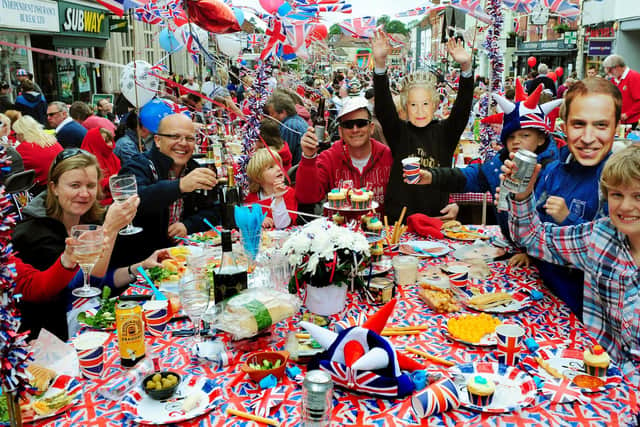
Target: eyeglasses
(349, 124)
(175, 137)
(67, 153)
(53, 114)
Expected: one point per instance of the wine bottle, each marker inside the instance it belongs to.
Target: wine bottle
(231, 198)
(319, 123)
(231, 277)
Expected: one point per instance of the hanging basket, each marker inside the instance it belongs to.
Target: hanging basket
(326, 300)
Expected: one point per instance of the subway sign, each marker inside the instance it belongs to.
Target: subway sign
(83, 21)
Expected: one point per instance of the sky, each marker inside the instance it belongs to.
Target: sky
(360, 8)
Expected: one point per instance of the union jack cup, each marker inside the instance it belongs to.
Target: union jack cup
(459, 280)
(440, 396)
(90, 349)
(510, 338)
(411, 169)
(155, 317)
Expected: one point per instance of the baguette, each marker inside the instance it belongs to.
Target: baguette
(550, 370)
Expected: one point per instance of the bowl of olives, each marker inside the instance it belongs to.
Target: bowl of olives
(161, 385)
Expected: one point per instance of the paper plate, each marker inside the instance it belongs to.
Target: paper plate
(63, 383)
(569, 363)
(422, 248)
(479, 251)
(519, 302)
(515, 388)
(142, 409)
(381, 267)
(464, 233)
(348, 208)
(455, 267)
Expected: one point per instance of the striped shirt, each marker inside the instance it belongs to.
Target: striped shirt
(611, 277)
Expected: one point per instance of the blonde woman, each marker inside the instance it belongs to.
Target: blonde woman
(432, 141)
(37, 148)
(14, 156)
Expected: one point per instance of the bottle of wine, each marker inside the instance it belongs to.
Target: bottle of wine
(231, 277)
(319, 122)
(231, 198)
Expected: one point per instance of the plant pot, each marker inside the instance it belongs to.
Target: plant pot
(327, 300)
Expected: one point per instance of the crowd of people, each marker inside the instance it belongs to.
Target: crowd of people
(578, 221)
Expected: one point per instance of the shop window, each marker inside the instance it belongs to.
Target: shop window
(12, 59)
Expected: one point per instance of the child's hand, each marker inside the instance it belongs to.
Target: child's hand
(556, 207)
(279, 187)
(268, 223)
(520, 260)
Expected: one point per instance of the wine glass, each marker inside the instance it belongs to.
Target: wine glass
(194, 297)
(122, 187)
(87, 250)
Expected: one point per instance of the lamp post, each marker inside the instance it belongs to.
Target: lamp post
(580, 43)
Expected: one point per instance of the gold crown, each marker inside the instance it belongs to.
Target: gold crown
(418, 78)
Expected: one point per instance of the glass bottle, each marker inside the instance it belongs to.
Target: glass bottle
(231, 277)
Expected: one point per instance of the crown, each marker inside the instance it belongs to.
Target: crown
(418, 78)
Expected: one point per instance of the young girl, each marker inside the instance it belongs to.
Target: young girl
(268, 188)
(270, 134)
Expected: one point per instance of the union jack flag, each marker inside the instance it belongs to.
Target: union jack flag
(342, 8)
(268, 400)
(522, 6)
(473, 8)
(563, 8)
(295, 43)
(276, 39)
(360, 28)
(366, 381)
(311, 2)
(561, 391)
(119, 7)
(254, 39)
(420, 10)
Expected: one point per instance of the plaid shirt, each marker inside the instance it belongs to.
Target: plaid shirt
(611, 277)
(176, 208)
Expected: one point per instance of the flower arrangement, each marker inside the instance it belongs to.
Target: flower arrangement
(325, 254)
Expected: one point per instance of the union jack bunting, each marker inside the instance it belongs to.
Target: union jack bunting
(276, 38)
(366, 381)
(420, 10)
(119, 7)
(341, 8)
(311, 2)
(522, 6)
(563, 8)
(561, 391)
(295, 40)
(360, 28)
(254, 39)
(473, 8)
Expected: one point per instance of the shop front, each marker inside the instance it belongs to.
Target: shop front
(554, 53)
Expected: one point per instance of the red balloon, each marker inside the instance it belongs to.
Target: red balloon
(319, 32)
(271, 5)
(559, 71)
(532, 61)
(213, 16)
(552, 75)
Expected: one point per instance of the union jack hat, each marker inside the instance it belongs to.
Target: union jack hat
(22, 72)
(524, 113)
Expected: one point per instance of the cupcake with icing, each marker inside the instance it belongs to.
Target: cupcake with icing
(596, 361)
(481, 390)
(360, 199)
(337, 198)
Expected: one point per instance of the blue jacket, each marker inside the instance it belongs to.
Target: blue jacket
(291, 131)
(33, 104)
(157, 192)
(71, 135)
(579, 186)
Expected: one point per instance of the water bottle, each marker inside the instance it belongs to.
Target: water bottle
(116, 388)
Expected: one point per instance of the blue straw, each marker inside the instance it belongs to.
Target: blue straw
(159, 295)
(184, 239)
(206, 221)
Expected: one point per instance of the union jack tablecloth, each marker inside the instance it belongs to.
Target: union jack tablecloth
(549, 321)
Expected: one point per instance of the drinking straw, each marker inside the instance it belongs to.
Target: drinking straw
(184, 239)
(206, 221)
(159, 295)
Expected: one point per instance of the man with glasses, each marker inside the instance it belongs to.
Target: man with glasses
(355, 157)
(628, 82)
(168, 183)
(69, 133)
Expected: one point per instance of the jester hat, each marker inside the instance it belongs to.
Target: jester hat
(360, 359)
(524, 113)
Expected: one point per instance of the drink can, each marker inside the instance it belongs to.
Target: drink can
(525, 162)
(319, 133)
(130, 332)
(503, 204)
(317, 399)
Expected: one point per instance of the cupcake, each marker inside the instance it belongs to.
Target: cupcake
(376, 252)
(480, 390)
(596, 361)
(374, 225)
(337, 198)
(360, 199)
(338, 219)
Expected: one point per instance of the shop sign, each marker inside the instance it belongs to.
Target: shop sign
(37, 15)
(600, 47)
(76, 20)
(593, 32)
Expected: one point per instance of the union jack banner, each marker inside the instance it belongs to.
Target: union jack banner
(341, 8)
(522, 6)
(561, 391)
(563, 8)
(473, 8)
(276, 39)
(360, 28)
(364, 381)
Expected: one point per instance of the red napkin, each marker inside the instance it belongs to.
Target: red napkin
(425, 226)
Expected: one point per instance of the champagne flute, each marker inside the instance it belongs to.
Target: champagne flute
(122, 187)
(87, 251)
(194, 297)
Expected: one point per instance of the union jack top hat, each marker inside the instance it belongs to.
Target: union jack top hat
(524, 113)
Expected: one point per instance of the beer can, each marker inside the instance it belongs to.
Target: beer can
(503, 204)
(130, 328)
(317, 399)
(525, 162)
(319, 130)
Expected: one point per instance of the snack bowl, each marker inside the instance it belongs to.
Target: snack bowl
(165, 392)
(267, 361)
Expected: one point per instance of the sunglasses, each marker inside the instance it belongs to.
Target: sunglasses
(349, 124)
(53, 114)
(67, 153)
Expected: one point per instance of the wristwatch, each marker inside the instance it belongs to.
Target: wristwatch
(132, 276)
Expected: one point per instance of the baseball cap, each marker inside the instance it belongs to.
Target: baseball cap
(22, 72)
(351, 104)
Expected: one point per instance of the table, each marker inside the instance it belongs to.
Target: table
(549, 321)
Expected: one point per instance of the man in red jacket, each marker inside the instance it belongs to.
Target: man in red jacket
(628, 81)
(356, 157)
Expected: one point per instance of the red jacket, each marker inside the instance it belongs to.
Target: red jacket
(289, 200)
(38, 158)
(285, 155)
(629, 86)
(41, 286)
(316, 177)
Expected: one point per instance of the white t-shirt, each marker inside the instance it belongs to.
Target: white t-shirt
(360, 163)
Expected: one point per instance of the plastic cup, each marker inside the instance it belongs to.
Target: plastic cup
(510, 339)
(406, 270)
(156, 315)
(411, 168)
(90, 349)
(439, 397)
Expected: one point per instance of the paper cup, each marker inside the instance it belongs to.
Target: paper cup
(406, 269)
(90, 348)
(156, 315)
(509, 343)
(459, 280)
(411, 168)
(439, 397)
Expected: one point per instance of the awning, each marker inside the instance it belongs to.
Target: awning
(546, 48)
